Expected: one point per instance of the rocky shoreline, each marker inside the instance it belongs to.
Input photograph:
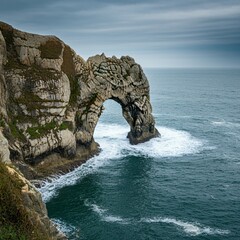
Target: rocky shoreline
(53, 164)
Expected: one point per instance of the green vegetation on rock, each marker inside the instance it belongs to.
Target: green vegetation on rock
(69, 69)
(51, 49)
(2, 123)
(36, 72)
(15, 219)
(16, 132)
(68, 65)
(75, 89)
(66, 125)
(41, 130)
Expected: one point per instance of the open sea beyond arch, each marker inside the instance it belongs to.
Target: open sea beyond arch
(184, 185)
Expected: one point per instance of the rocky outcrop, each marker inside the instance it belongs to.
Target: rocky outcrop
(3, 87)
(4, 150)
(51, 99)
(23, 213)
(123, 81)
(36, 209)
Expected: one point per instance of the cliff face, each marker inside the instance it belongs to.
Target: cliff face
(51, 99)
(23, 215)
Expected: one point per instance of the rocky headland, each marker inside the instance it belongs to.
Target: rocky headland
(51, 100)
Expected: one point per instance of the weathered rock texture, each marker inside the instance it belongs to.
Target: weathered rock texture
(4, 150)
(51, 99)
(123, 81)
(22, 208)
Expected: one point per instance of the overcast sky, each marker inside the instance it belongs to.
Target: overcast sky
(157, 33)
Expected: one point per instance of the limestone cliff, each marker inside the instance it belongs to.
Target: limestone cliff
(51, 99)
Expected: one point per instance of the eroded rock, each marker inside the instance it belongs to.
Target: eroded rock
(53, 98)
(122, 80)
(31, 200)
(4, 150)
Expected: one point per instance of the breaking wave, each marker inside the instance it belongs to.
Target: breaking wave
(189, 228)
(223, 123)
(68, 229)
(104, 215)
(114, 145)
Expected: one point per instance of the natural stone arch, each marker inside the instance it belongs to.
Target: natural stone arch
(52, 98)
(123, 81)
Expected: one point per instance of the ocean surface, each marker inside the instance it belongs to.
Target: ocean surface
(184, 185)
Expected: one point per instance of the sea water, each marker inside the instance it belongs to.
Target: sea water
(184, 185)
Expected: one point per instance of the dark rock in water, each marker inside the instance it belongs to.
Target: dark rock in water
(145, 136)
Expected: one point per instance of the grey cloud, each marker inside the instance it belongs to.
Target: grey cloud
(136, 27)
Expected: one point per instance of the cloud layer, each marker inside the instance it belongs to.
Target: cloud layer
(178, 33)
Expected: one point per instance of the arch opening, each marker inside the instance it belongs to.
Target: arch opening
(111, 124)
(112, 114)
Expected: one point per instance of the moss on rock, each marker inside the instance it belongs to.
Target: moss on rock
(52, 49)
(15, 131)
(68, 64)
(75, 89)
(41, 130)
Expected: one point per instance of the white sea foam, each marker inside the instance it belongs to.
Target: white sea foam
(172, 143)
(97, 209)
(64, 227)
(110, 218)
(104, 215)
(114, 144)
(223, 123)
(190, 228)
(50, 188)
(193, 229)
(114, 131)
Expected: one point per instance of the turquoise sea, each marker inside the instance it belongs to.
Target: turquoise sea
(184, 185)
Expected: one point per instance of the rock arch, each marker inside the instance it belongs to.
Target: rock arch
(123, 81)
(51, 99)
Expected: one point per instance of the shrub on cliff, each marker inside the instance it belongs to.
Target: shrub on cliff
(15, 220)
